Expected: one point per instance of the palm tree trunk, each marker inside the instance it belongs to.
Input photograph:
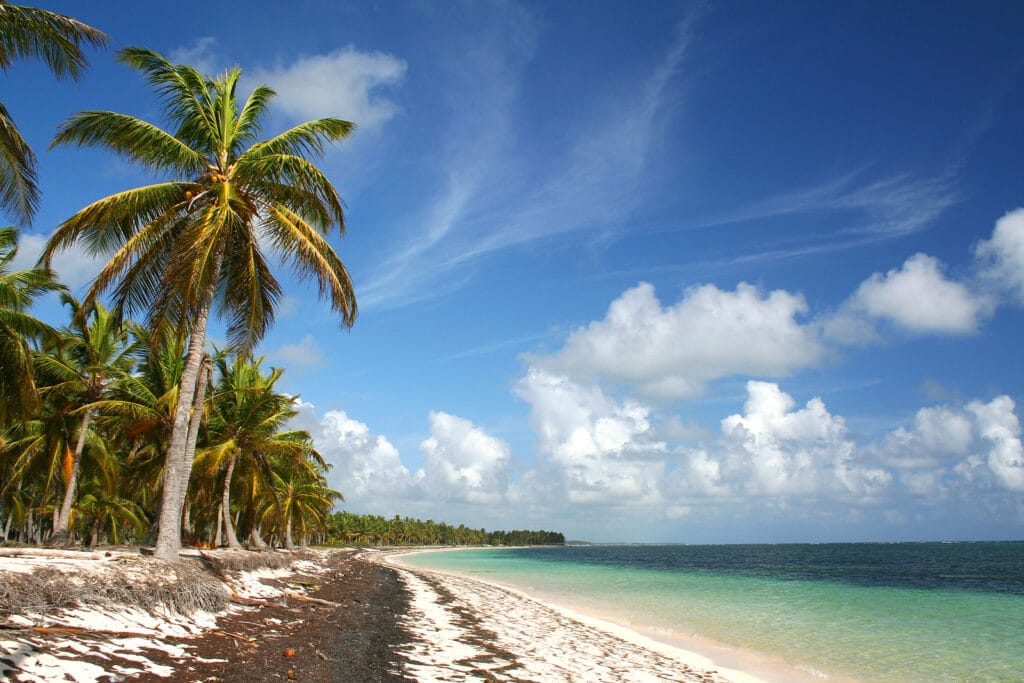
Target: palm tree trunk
(63, 520)
(220, 525)
(288, 535)
(229, 529)
(178, 467)
(256, 539)
(186, 521)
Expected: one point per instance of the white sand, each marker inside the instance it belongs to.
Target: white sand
(529, 639)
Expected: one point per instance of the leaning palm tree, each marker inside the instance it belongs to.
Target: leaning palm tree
(25, 33)
(18, 289)
(181, 246)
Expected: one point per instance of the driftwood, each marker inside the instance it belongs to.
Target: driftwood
(306, 598)
(245, 639)
(240, 600)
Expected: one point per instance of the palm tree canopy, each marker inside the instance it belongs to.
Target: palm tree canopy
(230, 197)
(18, 289)
(31, 33)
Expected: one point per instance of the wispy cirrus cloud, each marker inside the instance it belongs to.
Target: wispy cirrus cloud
(856, 206)
(491, 202)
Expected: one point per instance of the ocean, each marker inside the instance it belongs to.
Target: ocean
(851, 611)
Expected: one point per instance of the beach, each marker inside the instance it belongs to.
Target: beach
(340, 615)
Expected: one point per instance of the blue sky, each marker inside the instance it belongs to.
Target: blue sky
(658, 271)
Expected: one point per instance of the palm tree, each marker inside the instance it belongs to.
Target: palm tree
(140, 410)
(25, 33)
(180, 246)
(301, 500)
(246, 425)
(93, 354)
(18, 289)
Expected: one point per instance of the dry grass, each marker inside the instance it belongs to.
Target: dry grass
(128, 580)
(182, 588)
(225, 562)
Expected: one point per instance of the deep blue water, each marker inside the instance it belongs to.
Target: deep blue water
(997, 567)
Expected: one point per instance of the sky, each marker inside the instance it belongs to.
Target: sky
(633, 271)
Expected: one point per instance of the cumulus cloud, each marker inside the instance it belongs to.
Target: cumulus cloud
(952, 447)
(920, 298)
(673, 351)
(999, 429)
(346, 83)
(1002, 257)
(602, 449)
(365, 466)
(463, 462)
(777, 450)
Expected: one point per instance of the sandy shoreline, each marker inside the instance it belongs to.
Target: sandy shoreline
(334, 616)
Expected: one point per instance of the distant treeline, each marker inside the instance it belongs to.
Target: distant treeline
(346, 528)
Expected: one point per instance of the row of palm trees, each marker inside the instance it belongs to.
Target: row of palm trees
(87, 463)
(179, 249)
(348, 528)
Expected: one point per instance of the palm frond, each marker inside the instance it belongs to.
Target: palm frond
(132, 138)
(267, 174)
(311, 256)
(19, 192)
(30, 33)
(310, 138)
(186, 94)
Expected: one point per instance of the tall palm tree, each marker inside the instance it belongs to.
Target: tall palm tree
(26, 33)
(181, 246)
(93, 354)
(18, 289)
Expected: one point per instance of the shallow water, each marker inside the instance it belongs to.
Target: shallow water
(871, 612)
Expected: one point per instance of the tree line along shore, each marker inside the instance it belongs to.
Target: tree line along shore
(123, 425)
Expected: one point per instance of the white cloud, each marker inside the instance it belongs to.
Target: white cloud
(672, 352)
(463, 462)
(920, 298)
(999, 429)
(306, 352)
(200, 55)
(366, 466)
(74, 266)
(950, 447)
(1002, 257)
(603, 450)
(775, 450)
(345, 83)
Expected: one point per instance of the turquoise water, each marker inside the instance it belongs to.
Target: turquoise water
(870, 612)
